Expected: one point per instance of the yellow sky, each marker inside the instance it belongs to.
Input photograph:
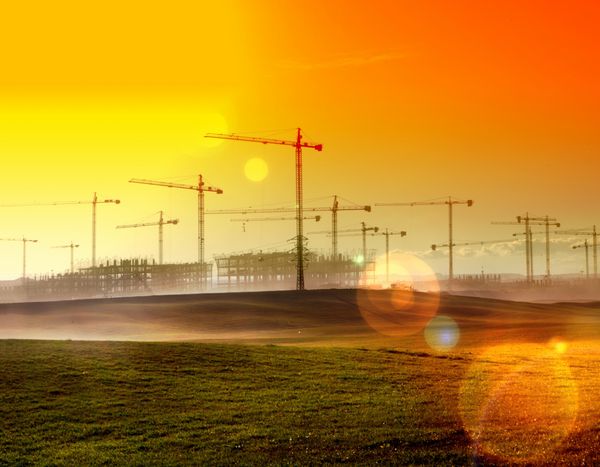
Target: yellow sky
(412, 101)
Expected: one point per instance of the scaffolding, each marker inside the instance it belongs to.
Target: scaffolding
(277, 270)
(112, 279)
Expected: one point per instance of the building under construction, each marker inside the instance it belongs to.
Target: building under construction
(116, 278)
(277, 270)
(250, 271)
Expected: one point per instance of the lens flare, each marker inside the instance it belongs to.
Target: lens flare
(256, 169)
(442, 333)
(519, 402)
(400, 310)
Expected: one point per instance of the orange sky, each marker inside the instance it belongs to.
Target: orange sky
(495, 101)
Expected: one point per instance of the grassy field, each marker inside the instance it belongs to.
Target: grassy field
(76, 403)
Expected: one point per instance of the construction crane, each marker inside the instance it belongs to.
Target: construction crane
(94, 202)
(587, 257)
(25, 241)
(435, 246)
(72, 246)
(298, 144)
(547, 222)
(529, 221)
(387, 234)
(529, 245)
(450, 202)
(201, 189)
(587, 232)
(161, 223)
(334, 209)
(362, 231)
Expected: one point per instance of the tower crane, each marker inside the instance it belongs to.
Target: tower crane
(587, 257)
(450, 202)
(363, 232)
(387, 234)
(334, 209)
(547, 222)
(25, 241)
(94, 202)
(201, 189)
(298, 144)
(72, 246)
(161, 222)
(587, 232)
(529, 221)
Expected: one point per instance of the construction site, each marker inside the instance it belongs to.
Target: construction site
(298, 268)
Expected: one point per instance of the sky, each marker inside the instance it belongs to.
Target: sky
(492, 101)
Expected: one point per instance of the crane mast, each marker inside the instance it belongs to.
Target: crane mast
(298, 145)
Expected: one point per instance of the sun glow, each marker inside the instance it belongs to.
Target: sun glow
(256, 169)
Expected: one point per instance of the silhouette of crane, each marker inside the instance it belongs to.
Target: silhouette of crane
(201, 189)
(450, 202)
(94, 202)
(529, 221)
(161, 223)
(587, 257)
(72, 246)
(298, 144)
(25, 241)
(587, 232)
(334, 209)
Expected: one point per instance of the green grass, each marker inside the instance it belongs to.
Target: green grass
(76, 403)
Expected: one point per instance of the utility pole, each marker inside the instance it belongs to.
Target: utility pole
(450, 202)
(298, 144)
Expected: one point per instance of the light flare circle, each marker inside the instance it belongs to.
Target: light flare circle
(401, 309)
(442, 333)
(519, 402)
(256, 169)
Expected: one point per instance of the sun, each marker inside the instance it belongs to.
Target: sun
(256, 169)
